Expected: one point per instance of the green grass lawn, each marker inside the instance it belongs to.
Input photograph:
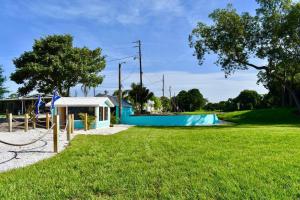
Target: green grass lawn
(252, 161)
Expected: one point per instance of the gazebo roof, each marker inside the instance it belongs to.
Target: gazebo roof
(82, 102)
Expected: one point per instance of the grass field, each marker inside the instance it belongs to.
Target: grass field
(250, 160)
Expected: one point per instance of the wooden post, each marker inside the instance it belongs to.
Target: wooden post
(47, 121)
(33, 122)
(9, 119)
(72, 124)
(69, 129)
(85, 121)
(26, 122)
(55, 133)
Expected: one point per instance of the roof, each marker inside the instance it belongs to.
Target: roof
(115, 100)
(82, 102)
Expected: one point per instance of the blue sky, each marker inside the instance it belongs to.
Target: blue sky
(163, 27)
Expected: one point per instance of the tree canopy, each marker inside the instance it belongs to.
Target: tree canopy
(53, 63)
(268, 41)
(139, 95)
(191, 100)
(248, 99)
(3, 89)
(166, 104)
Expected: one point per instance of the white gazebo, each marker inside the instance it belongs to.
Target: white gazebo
(97, 106)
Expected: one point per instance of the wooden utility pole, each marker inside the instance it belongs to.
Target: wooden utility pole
(163, 85)
(141, 71)
(120, 93)
(139, 46)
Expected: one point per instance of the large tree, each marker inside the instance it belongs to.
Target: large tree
(190, 100)
(243, 41)
(54, 63)
(3, 89)
(248, 99)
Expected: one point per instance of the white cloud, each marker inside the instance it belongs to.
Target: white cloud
(123, 12)
(212, 85)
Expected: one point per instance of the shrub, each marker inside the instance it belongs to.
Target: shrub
(90, 119)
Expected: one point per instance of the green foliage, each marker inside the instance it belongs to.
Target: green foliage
(90, 119)
(125, 94)
(248, 99)
(157, 103)
(139, 95)
(271, 36)
(113, 119)
(166, 104)
(3, 89)
(53, 62)
(13, 95)
(190, 100)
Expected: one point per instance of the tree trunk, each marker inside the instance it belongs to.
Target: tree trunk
(294, 96)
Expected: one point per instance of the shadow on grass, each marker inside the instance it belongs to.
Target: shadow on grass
(278, 116)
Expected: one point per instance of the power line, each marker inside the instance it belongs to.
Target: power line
(128, 76)
(118, 59)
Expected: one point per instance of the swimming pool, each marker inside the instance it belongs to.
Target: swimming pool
(169, 120)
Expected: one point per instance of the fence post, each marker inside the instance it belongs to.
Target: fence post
(26, 122)
(72, 124)
(55, 133)
(9, 119)
(33, 122)
(69, 127)
(85, 121)
(47, 121)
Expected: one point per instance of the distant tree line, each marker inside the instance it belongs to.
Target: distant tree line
(246, 100)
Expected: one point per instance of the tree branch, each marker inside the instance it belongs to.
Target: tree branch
(256, 67)
(252, 65)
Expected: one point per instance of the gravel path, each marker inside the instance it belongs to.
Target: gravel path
(14, 157)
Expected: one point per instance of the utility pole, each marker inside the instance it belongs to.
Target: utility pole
(163, 86)
(141, 71)
(140, 60)
(94, 91)
(120, 92)
(170, 91)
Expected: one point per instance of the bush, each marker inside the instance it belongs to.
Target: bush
(90, 119)
(113, 119)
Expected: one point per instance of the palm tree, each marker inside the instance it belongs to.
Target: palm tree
(125, 94)
(139, 95)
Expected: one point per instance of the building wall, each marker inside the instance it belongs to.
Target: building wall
(79, 124)
(168, 120)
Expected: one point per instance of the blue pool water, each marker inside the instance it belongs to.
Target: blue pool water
(168, 120)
